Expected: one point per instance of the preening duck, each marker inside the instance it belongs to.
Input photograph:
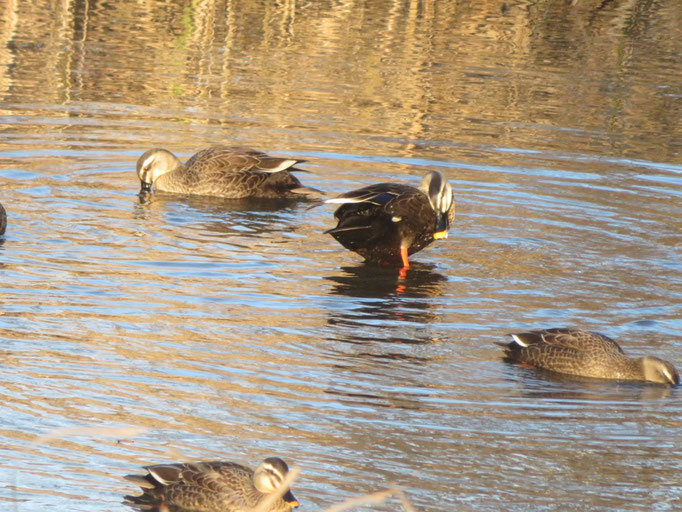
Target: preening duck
(387, 222)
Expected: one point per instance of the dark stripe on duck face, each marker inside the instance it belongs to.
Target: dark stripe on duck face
(274, 470)
(435, 185)
(144, 167)
(439, 192)
(270, 474)
(274, 476)
(442, 199)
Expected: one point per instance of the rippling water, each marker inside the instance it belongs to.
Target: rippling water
(236, 330)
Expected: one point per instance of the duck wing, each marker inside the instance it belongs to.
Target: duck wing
(242, 172)
(576, 339)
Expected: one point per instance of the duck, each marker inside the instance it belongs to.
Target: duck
(3, 220)
(385, 223)
(585, 354)
(211, 487)
(222, 171)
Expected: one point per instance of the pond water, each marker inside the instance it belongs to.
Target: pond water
(134, 333)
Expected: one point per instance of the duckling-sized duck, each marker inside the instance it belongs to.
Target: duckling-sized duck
(585, 354)
(211, 487)
(222, 171)
(386, 222)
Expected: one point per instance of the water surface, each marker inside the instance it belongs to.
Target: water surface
(237, 330)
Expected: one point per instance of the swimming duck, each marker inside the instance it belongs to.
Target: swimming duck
(585, 354)
(221, 171)
(386, 222)
(211, 487)
(3, 219)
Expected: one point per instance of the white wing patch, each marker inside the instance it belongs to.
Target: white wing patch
(344, 200)
(281, 167)
(518, 340)
(159, 478)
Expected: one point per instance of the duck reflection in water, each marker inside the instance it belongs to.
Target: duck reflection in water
(371, 282)
(375, 336)
(548, 385)
(248, 217)
(385, 298)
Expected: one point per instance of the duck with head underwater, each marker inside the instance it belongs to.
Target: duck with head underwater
(585, 354)
(222, 171)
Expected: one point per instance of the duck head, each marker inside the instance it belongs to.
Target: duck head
(439, 192)
(659, 370)
(269, 476)
(155, 163)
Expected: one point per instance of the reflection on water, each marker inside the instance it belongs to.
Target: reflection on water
(376, 282)
(567, 390)
(384, 299)
(237, 330)
(241, 217)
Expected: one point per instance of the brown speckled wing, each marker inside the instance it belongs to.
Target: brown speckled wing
(579, 340)
(569, 351)
(212, 487)
(206, 486)
(235, 172)
(556, 358)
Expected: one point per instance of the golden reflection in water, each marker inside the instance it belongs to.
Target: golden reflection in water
(406, 68)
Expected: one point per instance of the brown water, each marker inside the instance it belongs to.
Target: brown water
(238, 330)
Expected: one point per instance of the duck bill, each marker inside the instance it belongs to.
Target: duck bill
(441, 230)
(290, 500)
(145, 187)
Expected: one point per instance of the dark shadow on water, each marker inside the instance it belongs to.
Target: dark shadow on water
(242, 217)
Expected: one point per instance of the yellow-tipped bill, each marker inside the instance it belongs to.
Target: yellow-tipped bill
(440, 234)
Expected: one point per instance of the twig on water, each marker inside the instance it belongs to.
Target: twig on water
(372, 499)
(61, 433)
